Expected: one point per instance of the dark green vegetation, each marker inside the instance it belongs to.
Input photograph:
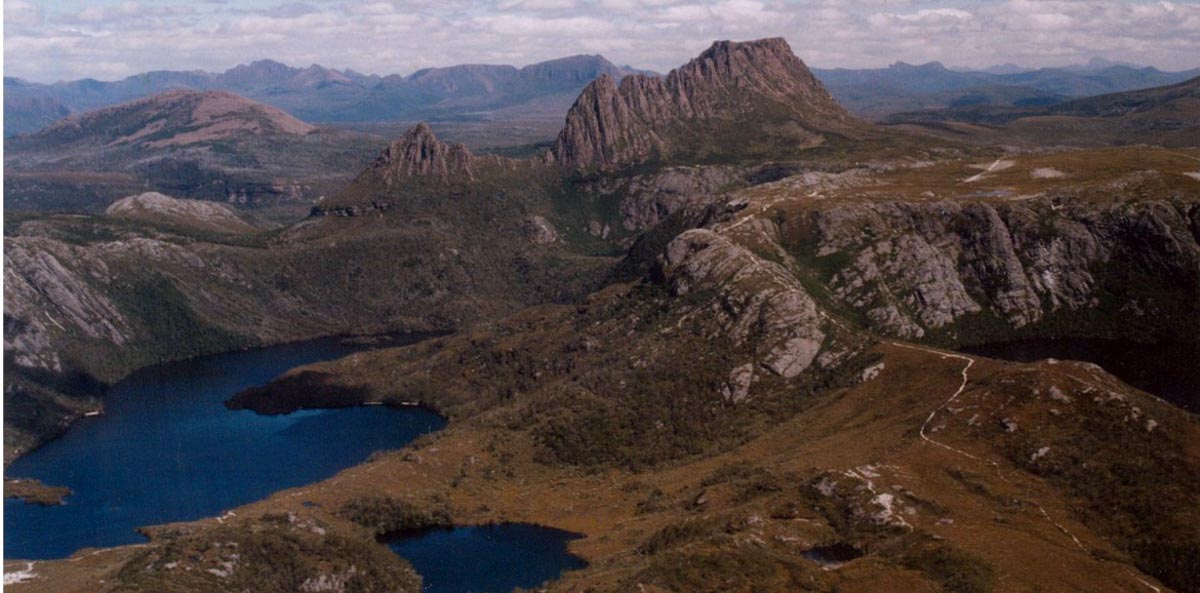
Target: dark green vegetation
(679, 337)
(384, 515)
(431, 261)
(275, 553)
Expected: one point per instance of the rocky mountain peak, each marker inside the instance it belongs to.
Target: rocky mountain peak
(731, 89)
(419, 153)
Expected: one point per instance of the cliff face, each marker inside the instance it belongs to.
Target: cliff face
(927, 266)
(759, 86)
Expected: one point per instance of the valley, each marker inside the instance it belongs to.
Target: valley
(725, 331)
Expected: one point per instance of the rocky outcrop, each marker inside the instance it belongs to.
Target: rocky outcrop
(539, 230)
(45, 295)
(158, 208)
(917, 267)
(419, 154)
(757, 301)
(759, 85)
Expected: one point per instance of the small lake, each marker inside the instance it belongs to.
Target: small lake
(487, 558)
(167, 449)
(1169, 370)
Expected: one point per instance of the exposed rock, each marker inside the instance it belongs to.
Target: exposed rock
(539, 230)
(650, 199)
(916, 267)
(419, 153)
(156, 207)
(754, 297)
(43, 295)
(760, 87)
(738, 387)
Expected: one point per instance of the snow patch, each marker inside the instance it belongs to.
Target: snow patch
(1195, 175)
(1047, 173)
(20, 576)
(1040, 453)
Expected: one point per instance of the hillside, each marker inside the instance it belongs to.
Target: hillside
(709, 330)
(750, 414)
(175, 118)
(206, 145)
(155, 208)
(1165, 116)
(876, 93)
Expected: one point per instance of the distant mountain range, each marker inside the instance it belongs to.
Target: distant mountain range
(878, 92)
(474, 92)
(319, 94)
(1165, 116)
(212, 145)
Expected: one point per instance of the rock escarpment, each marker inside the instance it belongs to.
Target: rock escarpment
(756, 90)
(925, 266)
(756, 301)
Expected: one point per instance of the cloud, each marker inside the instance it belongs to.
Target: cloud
(18, 12)
(113, 38)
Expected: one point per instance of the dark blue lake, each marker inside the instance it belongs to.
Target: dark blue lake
(487, 558)
(1170, 370)
(167, 449)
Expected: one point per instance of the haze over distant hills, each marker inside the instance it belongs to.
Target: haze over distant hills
(211, 145)
(1163, 116)
(877, 92)
(316, 93)
(547, 89)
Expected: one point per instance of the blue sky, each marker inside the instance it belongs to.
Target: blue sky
(108, 39)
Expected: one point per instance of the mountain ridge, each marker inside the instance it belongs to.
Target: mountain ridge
(318, 93)
(642, 118)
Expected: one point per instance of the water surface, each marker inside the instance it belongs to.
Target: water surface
(1166, 369)
(167, 449)
(487, 558)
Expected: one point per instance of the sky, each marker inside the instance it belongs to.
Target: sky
(51, 40)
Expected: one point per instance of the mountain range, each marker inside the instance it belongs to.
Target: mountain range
(1164, 116)
(322, 94)
(706, 328)
(877, 92)
(211, 145)
(547, 89)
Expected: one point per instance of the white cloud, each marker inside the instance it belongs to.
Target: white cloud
(113, 38)
(19, 12)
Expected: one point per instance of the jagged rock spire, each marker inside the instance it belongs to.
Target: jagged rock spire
(419, 153)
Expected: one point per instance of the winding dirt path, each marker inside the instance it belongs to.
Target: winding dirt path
(996, 466)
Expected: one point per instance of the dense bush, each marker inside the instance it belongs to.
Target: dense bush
(384, 514)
